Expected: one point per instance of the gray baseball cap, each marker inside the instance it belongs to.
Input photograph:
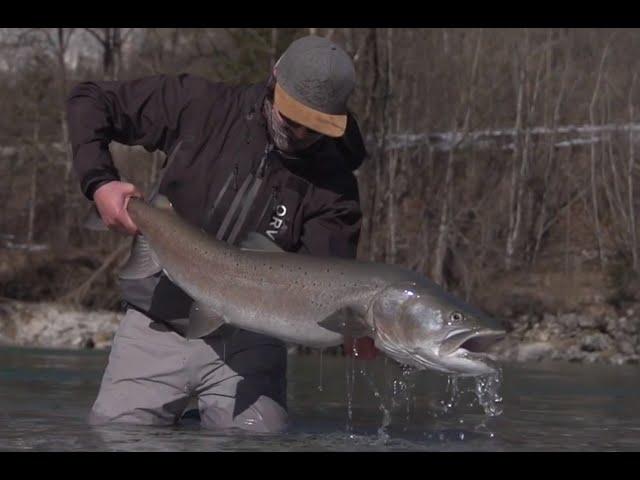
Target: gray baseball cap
(314, 79)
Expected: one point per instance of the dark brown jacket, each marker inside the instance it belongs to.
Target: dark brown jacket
(224, 175)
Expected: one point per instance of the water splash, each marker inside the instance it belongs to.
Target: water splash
(453, 393)
(401, 394)
(383, 436)
(408, 390)
(487, 392)
(398, 393)
(349, 398)
(350, 373)
(320, 383)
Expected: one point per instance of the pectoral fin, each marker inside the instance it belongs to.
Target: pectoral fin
(203, 320)
(347, 321)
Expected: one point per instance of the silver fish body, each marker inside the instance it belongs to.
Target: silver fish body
(312, 301)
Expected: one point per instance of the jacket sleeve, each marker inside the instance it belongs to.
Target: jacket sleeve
(333, 229)
(147, 111)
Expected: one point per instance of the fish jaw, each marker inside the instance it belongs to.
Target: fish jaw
(449, 356)
(477, 340)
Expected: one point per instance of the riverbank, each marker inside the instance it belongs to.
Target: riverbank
(600, 335)
(55, 325)
(574, 337)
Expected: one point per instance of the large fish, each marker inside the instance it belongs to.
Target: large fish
(307, 300)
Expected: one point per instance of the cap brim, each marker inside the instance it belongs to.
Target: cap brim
(330, 125)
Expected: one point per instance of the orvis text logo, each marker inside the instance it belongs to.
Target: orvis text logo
(276, 221)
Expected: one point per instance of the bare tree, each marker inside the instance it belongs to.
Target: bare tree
(522, 151)
(541, 222)
(274, 47)
(594, 191)
(466, 103)
(111, 40)
(630, 170)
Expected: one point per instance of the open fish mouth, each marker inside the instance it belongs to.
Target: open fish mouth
(470, 341)
(463, 352)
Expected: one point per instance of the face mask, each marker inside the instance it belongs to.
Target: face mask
(281, 134)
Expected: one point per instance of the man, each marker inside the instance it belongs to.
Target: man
(276, 158)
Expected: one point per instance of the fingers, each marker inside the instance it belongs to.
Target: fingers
(112, 199)
(130, 190)
(126, 222)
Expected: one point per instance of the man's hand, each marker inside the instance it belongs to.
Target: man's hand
(363, 348)
(111, 200)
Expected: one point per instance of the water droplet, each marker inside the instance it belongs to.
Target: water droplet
(350, 377)
(486, 391)
(320, 384)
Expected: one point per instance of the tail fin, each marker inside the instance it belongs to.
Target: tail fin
(142, 262)
(94, 222)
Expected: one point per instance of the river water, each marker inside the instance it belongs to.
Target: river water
(339, 404)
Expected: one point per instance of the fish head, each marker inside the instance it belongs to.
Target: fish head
(426, 327)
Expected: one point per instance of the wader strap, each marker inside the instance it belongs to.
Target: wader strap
(223, 190)
(248, 200)
(167, 163)
(243, 199)
(232, 209)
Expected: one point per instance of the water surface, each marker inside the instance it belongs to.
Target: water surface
(337, 404)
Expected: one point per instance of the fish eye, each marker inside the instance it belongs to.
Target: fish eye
(456, 317)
